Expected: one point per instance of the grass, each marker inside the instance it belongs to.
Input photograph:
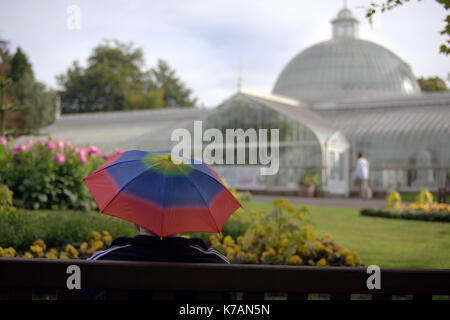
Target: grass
(385, 242)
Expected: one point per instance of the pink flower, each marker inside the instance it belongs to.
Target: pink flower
(69, 144)
(18, 149)
(83, 151)
(93, 150)
(51, 145)
(60, 158)
(118, 151)
(106, 155)
(83, 159)
(3, 141)
(60, 144)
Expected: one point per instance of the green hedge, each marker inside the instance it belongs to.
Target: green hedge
(20, 228)
(408, 215)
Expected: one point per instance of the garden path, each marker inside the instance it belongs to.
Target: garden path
(325, 202)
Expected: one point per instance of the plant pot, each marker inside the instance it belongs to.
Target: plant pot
(307, 190)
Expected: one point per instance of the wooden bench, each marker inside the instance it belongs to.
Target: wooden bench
(27, 279)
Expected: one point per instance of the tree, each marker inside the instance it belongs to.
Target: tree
(390, 4)
(19, 65)
(175, 91)
(432, 84)
(24, 102)
(113, 80)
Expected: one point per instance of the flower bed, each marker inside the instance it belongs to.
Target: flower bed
(283, 236)
(46, 174)
(424, 208)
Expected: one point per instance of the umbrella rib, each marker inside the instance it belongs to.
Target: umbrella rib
(215, 180)
(117, 163)
(163, 202)
(204, 200)
(121, 189)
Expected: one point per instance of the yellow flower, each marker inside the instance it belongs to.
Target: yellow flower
(349, 260)
(241, 255)
(63, 255)
(53, 250)
(322, 262)
(28, 255)
(1, 252)
(37, 249)
(91, 250)
(51, 255)
(318, 245)
(327, 235)
(40, 243)
(98, 244)
(240, 239)
(268, 253)
(254, 257)
(9, 252)
(303, 250)
(311, 262)
(83, 247)
(96, 235)
(284, 242)
(71, 249)
(295, 259)
(228, 241)
(106, 233)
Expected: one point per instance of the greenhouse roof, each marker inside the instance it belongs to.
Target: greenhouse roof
(322, 128)
(143, 129)
(423, 120)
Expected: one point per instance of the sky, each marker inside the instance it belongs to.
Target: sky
(207, 40)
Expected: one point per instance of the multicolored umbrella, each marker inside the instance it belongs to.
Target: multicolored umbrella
(151, 190)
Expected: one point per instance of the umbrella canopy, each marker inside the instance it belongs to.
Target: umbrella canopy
(149, 189)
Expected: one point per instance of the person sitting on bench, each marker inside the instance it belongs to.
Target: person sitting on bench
(147, 246)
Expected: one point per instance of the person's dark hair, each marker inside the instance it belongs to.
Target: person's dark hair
(360, 155)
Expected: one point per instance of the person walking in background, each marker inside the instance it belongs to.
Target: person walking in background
(362, 173)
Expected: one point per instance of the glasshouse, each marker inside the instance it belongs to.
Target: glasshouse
(332, 101)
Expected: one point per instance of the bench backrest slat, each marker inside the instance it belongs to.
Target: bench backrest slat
(209, 280)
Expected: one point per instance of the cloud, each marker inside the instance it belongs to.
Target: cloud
(205, 41)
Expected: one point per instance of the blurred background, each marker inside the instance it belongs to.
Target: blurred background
(335, 81)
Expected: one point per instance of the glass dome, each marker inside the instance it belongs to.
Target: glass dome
(345, 67)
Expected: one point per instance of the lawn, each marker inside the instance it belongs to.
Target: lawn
(385, 242)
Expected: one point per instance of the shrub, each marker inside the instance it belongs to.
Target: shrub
(48, 174)
(425, 197)
(6, 196)
(283, 236)
(423, 209)
(310, 179)
(393, 200)
(441, 216)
